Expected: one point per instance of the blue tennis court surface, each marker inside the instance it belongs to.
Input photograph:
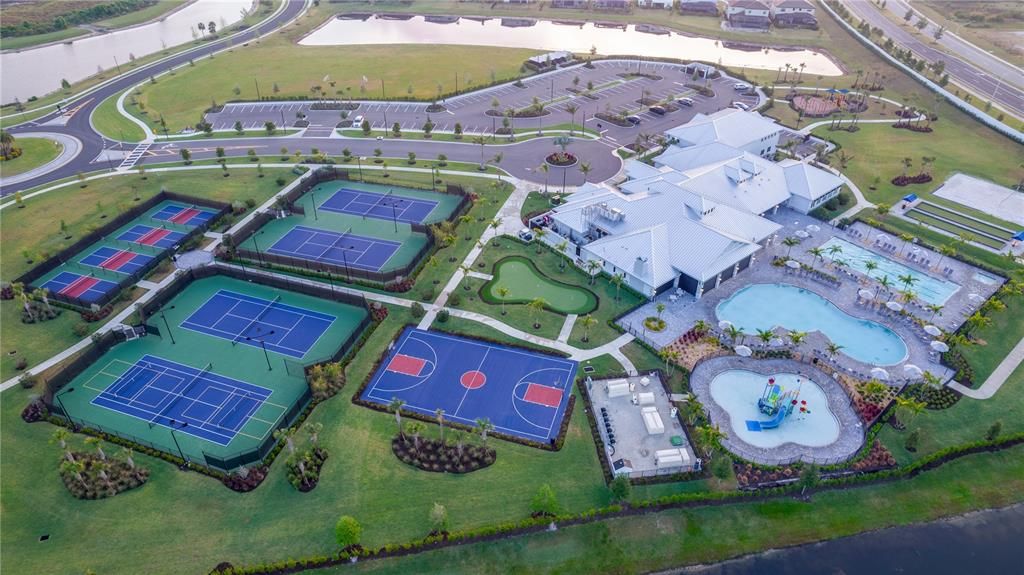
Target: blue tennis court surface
(378, 205)
(148, 236)
(523, 393)
(345, 250)
(249, 320)
(184, 215)
(116, 260)
(181, 397)
(85, 288)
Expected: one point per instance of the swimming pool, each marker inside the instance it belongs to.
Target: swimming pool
(928, 289)
(986, 279)
(737, 392)
(765, 306)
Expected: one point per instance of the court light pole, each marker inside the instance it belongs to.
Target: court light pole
(359, 160)
(313, 197)
(330, 279)
(167, 325)
(259, 256)
(263, 344)
(181, 453)
(344, 258)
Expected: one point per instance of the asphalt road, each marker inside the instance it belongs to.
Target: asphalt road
(988, 85)
(76, 123)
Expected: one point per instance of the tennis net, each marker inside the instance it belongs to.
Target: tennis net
(178, 395)
(259, 316)
(379, 202)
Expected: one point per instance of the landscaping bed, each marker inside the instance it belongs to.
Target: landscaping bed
(431, 454)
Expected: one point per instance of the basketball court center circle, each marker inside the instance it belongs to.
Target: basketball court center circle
(473, 379)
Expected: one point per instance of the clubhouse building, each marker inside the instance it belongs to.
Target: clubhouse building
(699, 214)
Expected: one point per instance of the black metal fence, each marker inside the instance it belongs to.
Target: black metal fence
(72, 369)
(228, 463)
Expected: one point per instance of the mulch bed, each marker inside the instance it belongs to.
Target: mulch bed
(90, 485)
(432, 455)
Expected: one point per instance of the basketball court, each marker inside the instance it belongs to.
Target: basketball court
(523, 393)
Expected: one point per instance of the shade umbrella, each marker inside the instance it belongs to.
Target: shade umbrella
(793, 264)
(776, 342)
(743, 351)
(939, 346)
(880, 374)
(881, 238)
(801, 234)
(724, 324)
(813, 228)
(932, 330)
(911, 370)
(894, 305)
(866, 294)
(975, 298)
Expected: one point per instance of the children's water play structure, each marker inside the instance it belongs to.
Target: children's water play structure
(777, 403)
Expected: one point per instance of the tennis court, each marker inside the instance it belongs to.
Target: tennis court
(184, 215)
(149, 236)
(384, 206)
(523, 393)
(190, 400)
(85, 288)
(121, 261)
(341, 249)
(258, 322)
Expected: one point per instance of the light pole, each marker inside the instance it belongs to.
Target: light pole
(259, 256)
(359, 160)
(184, 464)
(330, 279)
(167, 325)
(263, 344)
(344, 258)
(313, 197)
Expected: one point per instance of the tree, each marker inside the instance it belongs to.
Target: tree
(503, 293)
(735, 334)
(7, 142)
(396, 130)
(347, 532)
(593, 266)
(98, 444)
(572, 108)
(439, 413)
(790, 242)
(288, 435)
(721, 469)
(412, 158)
(127, 453)
(908, 408)
(670, 356)
(585, 169)
(620, 488)
(270, 128)
(561, 247)
(660, 308)
(617, 280)
(817, 252)
(545, 502)
(239, 129)
(539, 233)
(458, 131)
(765, 335)
(809, 478)
(587, 322)
(186, 156)
(484, 426)
(396, 407)
(72, 467)
(883, 283)
(535, 306)
(212, 27)
(439, 518)
(993, 432)
(545, 168)
(797, 337)
(60, 436)
(833, 348)
(710, 438)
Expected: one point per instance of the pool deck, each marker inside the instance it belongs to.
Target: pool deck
(851, 429)
(681, 314)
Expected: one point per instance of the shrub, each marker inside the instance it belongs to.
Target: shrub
(80, 329)
(281, 181)
(544, 503)
(454, 299)
(250, 202)
(994, 431)
(347, 532)
(912, 441)
(620, 487)
(27, 381)
(443, 315)
(416, 309)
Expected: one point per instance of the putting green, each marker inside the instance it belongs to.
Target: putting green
(526, 283)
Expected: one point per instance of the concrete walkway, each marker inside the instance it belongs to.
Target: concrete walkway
(566, 331)
(998, 377)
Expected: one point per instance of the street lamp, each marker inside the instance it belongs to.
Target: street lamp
(263, 344)
(330, 279)
(359, 160)
(259, 256)
(344, 258)
(313, 197)
(167, 325)
(184, 424)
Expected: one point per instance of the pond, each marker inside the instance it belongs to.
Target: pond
(39, 71)
(524, 283)
(575, 37)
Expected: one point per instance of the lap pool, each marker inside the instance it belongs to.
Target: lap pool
(766, 306)
(928, 289)
(737, 392)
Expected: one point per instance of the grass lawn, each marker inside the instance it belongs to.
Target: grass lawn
(551, 323)
(959, 218)
(139, 16)
(709, 534)
(525, 283)
(535, 202)
(22, 42)
(183, 522)
(34, 153)
(109, 122)
(645, 360)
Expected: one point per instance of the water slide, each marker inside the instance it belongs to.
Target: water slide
(754, 425)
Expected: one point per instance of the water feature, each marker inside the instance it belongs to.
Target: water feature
(38, 71)
(766, 306)
(928, 289)
(578, 37)
(737, 392)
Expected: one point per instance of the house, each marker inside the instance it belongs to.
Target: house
(612, 5)
(708, 7)
(518, 1)
(663, 4)
(747, 131)
(748, 14)
(794, 14)
(571, 4)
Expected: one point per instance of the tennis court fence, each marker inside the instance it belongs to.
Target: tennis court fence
(228, 463)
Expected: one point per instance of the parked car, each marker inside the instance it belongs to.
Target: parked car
(685, 101)
(659, 110)
(740, 106)
(526, 235)
(741, 87)
(358, 120)
(635, 120)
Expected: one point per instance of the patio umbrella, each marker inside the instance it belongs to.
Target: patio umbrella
(880, 374)
(932, 330)
(801, 234)
(975, 298)
(813, 228)
(743, 351)
(894, 305)
(939, 346)
(645, 381)
(776, 342)
(866, 294)
(793, 264)
(881, 237)
(724, 324)
(911, 370)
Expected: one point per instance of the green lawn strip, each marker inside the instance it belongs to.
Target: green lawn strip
(35, 228)
(535, 203)
(471, 328)
(953, 228)
(147, 528)
(952, 214)
(669, 539)
(518, 316)
(523, 134)
(34, 153)
(645, 360)
(524, 282)
(109, 122)
(139, 16)
(22, 42)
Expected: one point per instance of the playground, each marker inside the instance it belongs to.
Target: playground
(827, 103)
(778, 411)
(219, 370)
(354, 227)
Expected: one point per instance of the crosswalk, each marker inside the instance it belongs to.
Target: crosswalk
(134, 156)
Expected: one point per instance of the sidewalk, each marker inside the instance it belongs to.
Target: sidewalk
(998, 377)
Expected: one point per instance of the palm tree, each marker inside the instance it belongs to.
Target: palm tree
(585, 169)
(977, 321)
(19, 292)
(127, 453)
(60, 437)
(670, 356)
(545, 168)
(945, 252)
(535, 306)
(817, 253)
(906, 162)
(74, 468)
(735, 334)
(617, 280)
(797, 337)
(593, 266)
(833, 349)
(908, 280)
(909, 408)
(935, 308)
(587, 322)
(572, 108)
(484, 425)
(540, 233)
(883, 282)
(870, 266)
(439, 413)
(834, 250)
(710, 438)
(502, 293)
(482, 142)
(396, 407)
(906, 240)
(415, 429)
(6, 143)
(931, 380)
(561, 247)
(98, 444)
(660, 308)
(701, 326)
(765, 335)
(790, 242)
